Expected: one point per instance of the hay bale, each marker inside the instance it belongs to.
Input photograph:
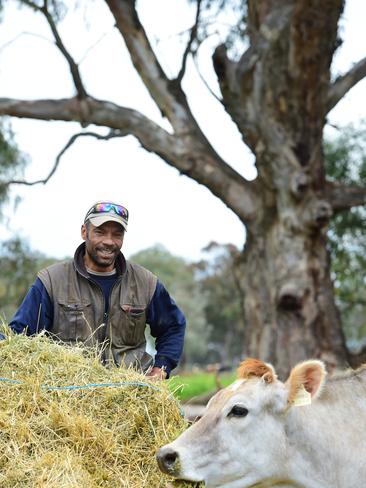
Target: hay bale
(67, 421)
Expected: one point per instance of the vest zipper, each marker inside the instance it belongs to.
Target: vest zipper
(102, 329)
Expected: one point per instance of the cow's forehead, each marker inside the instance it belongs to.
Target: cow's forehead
(236, 385)
(241, 386)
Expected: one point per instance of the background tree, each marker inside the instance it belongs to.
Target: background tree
(12, 161)
(345, 156)
(179, 278)
(220, 282)
(278, 91)
(19, 267)
(16, 260)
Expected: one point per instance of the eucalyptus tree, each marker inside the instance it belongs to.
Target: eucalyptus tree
(278, 90)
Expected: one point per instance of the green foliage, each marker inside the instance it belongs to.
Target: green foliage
(173, 271)
(219, 277)
(346, 163)
(210, 297)
(179, 278)
(346, 155)
(188, 386)
(19, 267)
(12, 161)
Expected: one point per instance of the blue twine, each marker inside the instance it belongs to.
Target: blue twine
(89, 385)
(98, 385)
(11, 381)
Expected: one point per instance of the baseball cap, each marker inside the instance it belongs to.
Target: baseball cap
(102, 212)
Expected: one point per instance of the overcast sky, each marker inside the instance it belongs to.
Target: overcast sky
(164, 207)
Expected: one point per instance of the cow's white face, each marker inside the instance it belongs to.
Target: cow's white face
(240, 440)
(238, 436)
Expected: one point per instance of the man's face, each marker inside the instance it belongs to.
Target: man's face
(103, 244)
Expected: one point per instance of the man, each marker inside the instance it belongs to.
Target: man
(100, 298)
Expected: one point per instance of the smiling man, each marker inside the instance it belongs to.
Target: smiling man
(100, 298)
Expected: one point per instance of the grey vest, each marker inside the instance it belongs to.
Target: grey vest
(79, 309)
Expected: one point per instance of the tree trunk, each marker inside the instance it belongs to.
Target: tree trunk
(289, 305)
(277, 95)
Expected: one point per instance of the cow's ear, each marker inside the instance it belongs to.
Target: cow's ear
(305, 382)
(250, 368)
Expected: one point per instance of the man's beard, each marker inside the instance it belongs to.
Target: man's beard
(103, 256)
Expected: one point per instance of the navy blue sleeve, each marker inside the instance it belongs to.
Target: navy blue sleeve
(167, 324)
(36, 311)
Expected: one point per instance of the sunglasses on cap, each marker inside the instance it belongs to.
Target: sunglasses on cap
(107, 207)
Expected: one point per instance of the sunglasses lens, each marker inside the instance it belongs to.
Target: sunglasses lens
(102, 207)
(107, 207)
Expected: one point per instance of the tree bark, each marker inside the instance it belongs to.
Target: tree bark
(278, 95)
(290, 310)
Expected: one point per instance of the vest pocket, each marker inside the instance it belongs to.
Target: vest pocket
(130, 328)
(73, 322)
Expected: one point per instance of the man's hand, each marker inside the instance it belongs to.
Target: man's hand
(156, 373)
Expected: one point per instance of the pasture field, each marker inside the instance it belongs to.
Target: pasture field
(189, 385)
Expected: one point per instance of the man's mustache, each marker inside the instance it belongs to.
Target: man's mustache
(105, 248)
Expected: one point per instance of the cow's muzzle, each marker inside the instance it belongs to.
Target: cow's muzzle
(168, 461)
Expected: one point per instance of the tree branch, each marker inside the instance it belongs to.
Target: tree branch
(91, 111)
(74, 69)
(90, 48)
(24, 33)
(188, 153)
(71, 141)
(344, 83)
(204, 81)
(192, 153)
(192, 38)
(344, 197)
(235, 97)
(166, 93)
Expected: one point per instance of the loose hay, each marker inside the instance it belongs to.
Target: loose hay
(92, 436)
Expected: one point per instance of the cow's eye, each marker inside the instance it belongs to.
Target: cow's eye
(238, 411)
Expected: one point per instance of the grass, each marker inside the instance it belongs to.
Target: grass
(190, 385)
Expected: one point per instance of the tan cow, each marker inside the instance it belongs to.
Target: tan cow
(262, 433)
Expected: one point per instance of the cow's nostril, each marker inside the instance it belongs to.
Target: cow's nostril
(167, 458)
(170, 458)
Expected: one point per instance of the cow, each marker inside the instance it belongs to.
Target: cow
(309, 432)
